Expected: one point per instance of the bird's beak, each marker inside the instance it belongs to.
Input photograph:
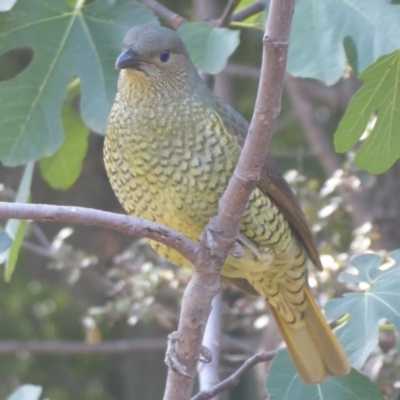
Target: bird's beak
(128, 59)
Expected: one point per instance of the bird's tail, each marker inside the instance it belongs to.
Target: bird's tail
(314, 349)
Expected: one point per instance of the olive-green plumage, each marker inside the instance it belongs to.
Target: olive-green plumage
(170, 150)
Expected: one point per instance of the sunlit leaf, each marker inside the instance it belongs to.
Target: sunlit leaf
(380, 92)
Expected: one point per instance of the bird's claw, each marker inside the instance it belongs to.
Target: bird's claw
(171, 358)
(237, 250)
(205, 355)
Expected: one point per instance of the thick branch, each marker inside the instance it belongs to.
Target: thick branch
(234, 379)
(322, 146)
(70, 347)
(222, 230)
(123, 346)
(313, 132)
(137, 227)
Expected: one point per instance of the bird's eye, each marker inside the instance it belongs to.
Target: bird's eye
(164, 55)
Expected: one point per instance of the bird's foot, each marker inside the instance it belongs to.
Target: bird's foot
(205, 355)
(171, 357)
(237, 250)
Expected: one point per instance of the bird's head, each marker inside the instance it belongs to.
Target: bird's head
(155, 55)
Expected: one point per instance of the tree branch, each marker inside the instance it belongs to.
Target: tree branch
(71, 347)
(76, 348)
(173, 19)
(322, 146)
(234, 379)
(249, 11)
(223, 229)
(132, 226)
(227, 14)
(315, 135)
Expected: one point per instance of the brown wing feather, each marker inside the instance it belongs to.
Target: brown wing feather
(273, 184)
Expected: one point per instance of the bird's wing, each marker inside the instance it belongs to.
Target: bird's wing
(273, 184)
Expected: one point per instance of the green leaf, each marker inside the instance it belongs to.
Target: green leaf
(209, 48)
(5, 241)
(69, 39)
(63, 168)
(284, 383)
(380, 91)
(359, 335)
(26, 392)
(319, 28)
(7, 5)
(16, 228)
(14, 251)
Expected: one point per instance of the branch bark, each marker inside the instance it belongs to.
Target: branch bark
(323, 148)
(173, 19)
(234, 379)
(222, 230)
(122, 346)
(132, 226)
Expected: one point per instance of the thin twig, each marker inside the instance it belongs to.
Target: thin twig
(173, 19)
(227, 14)
(249, 11)
(132, 226)
(176, 20)
(234, 379)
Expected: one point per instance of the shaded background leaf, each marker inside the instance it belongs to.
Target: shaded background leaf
(359, 335)
(26, 392)
(209, 48)
(319, 28)
(67, 41)
(284, 383)
(63, 168)
(5, 240)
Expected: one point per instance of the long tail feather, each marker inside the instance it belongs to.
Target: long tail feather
(314, 349)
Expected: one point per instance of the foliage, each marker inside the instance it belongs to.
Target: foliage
(63, 168)
(26, 392)
(79, 45)
(209, 48)
(379, 94)
(283, 382)
(66, 88)
(5, 240)
(319, 28)
(379, 300)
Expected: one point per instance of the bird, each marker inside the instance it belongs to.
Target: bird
(170, 149)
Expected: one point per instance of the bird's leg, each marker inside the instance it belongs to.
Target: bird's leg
(171, 357)
(237, 250)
